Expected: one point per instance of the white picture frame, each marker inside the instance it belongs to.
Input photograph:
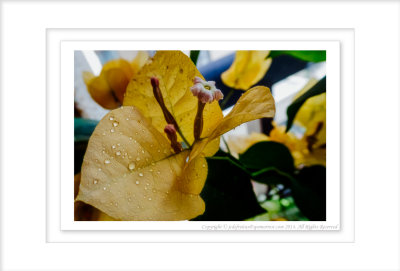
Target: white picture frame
(29, 240)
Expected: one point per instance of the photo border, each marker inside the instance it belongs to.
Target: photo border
(374, 238)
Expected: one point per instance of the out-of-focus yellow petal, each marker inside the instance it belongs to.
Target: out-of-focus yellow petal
(312, 116)
(247, 69)
(239, 144)
(130, 172)
(108, 89)
(175, 72)
(100, 91)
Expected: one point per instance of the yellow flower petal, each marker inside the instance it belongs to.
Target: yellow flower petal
(247, 69)
(239, 144)
(100, 91)
(108, 89)
(129, 172)
(255, 103)
(312, 116)
(175, 72)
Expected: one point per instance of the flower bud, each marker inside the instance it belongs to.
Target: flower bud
(173, 138)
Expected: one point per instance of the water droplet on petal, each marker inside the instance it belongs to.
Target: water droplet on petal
(107, 161)
(111, 118)
(118, 153)
(131, 166)
(115, 123)
(149, 198)
(113, 146)
(112, 130)
(137, 158)
(104, 188)
(137, 182)
(140, 174)
(95, 181)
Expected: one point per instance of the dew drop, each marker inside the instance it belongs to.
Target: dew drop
(107, 161)
(112, 130)
(118, 153)
(95, 181)
(99, 169)
(116, 204)
(115, 123)
(137, 158)
(204, 165)
(131, 166)
(130, 138)
(127, 118)
(104, 188)
(111, 118)
(149, 198)
(140, 174)
(118, 144)
(159, 150)
(113, 146)
(142, 151)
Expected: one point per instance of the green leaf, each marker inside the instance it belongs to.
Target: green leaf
(309, 56)
(268, 154)
(309, 192)
(83, 129)
(292, 110)
(194, 55)
(271, 176)
(228, 192)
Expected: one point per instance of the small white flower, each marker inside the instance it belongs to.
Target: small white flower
(206, 91)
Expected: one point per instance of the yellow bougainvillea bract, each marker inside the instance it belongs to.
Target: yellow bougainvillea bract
(247, 69)
(109, 87)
